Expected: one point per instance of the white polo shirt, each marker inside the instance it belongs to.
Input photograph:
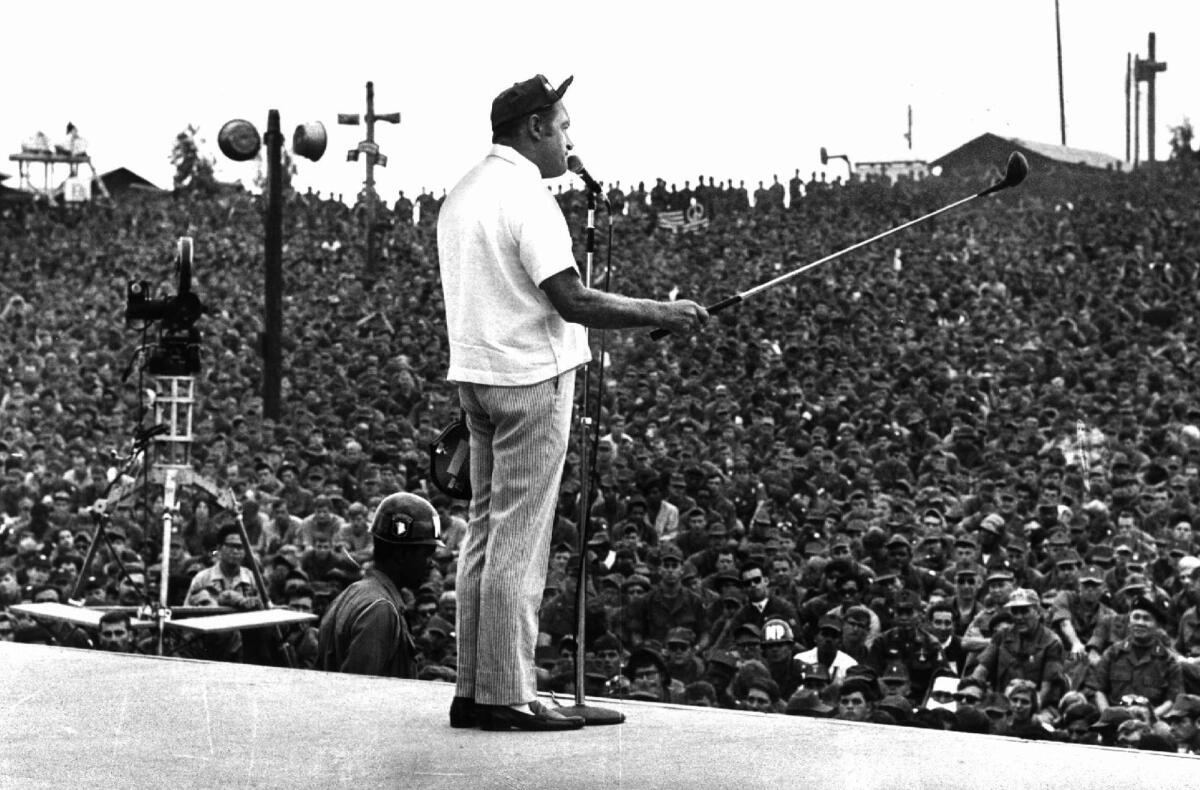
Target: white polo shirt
(500, 235)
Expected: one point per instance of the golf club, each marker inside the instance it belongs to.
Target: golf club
(1014, 174)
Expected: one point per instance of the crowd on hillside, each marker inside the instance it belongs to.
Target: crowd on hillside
(951, 480)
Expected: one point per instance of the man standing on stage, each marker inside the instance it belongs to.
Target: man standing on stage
(515, 313)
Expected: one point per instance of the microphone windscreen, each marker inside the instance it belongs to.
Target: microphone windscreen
(574, 164)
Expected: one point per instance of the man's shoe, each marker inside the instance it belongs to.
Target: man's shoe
(463, 713)
(502, 717)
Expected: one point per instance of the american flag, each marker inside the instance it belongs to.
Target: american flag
(683, 221)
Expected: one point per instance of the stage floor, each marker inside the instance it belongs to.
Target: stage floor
(85, 719)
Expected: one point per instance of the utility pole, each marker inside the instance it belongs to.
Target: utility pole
(1137, 112)
(372, 157)
(1128, 86)
(1145, 71)
(239, 140)
(1062, 105)
(908, 134)
(272, 348)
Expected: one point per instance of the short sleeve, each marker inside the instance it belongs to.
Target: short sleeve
(543, 240)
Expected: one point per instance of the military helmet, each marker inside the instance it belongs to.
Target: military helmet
(405, 519)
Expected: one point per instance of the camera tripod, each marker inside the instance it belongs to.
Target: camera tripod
(171, 363)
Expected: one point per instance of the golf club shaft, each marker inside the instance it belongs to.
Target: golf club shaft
(658, 334)
(789, 275)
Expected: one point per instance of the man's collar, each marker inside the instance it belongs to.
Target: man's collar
(386, 581)
(515, 157)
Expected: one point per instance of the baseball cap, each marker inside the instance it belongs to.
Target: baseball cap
(898, 707)
(1135, 581)
(1000, 569)
(1112, 717)
(858, 614)
(830, 622)
(636, 580)
(993, 523)
(860, 684)
(906, 599)
(681, 636)
(808, 702)
(523, 98)
(671, 551)
(749, 629)
(1023, 597)
(607, 642)
(1185, 705)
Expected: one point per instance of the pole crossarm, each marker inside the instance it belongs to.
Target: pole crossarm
(368, 146)
(368, 150)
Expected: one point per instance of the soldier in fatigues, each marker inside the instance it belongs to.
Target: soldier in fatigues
(1027, 649)
(907, 643)
(364, 631)
(1139, 665)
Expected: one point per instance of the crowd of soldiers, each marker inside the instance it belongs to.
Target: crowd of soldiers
(950, 482)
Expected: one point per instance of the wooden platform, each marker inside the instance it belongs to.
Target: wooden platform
(85, 719)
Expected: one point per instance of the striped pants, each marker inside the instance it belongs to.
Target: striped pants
(518, 445)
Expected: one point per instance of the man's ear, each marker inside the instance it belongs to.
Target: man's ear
(534, 126)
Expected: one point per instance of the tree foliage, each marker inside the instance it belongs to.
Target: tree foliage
(1181, 141)
(287, 170)
(193, 170)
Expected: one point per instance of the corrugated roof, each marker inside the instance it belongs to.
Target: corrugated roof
(123, 176)
(1062, 153)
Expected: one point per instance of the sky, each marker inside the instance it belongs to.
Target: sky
(667, 89)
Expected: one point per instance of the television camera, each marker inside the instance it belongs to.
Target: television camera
(177, 351)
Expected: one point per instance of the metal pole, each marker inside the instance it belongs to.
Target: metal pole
(168, 518)
(101, 520)
(255, 569)
(372, 264)
(1137, 122)
(1128, 83)
(588, 434)
(1150, 128)
(585, 476)
(273, 280)
(1062, 107)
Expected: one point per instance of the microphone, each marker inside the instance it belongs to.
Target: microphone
(575, 165)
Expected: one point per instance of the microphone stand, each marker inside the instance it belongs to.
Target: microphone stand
(588, 426)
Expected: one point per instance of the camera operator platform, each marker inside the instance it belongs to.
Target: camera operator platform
(72, 152)
(172, 362)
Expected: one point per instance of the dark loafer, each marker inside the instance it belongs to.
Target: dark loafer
(462, 713)
(502, 717)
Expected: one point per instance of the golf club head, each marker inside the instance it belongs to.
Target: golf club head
(1014, 173)
(1017, 169)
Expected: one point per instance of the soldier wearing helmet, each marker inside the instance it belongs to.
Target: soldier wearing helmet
(363, 631)
(779, 650)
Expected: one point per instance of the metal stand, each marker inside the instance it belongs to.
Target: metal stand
(587, 425)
